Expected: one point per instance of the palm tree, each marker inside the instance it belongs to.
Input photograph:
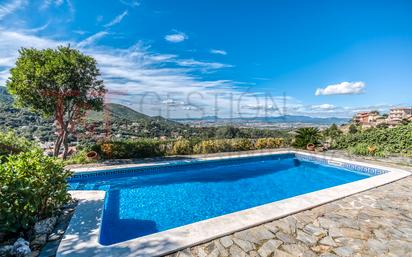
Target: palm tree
(305, 136)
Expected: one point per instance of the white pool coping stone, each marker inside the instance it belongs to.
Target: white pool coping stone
(82, 235)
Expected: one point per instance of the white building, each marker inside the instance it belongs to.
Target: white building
(396, 115)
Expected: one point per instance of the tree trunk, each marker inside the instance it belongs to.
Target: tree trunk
(65, 144)
(57, 146)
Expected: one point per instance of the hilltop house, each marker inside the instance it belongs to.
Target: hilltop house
(364, 118)
(396, 115)
(373, 118)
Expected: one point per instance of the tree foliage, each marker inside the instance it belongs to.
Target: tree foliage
(10, 143)
(61, 83)
(397, 140)
(32, 187)
(305, 136)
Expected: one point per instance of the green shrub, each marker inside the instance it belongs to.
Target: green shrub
(10, 143)
(182, 147)
(79, 158)
(396, 140)
(269, 143)
(364, 149)
(32, 187)
(128, 149)
(211, 146)
(305, 136)
(242, 144)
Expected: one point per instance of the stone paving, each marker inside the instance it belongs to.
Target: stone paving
(377, 222)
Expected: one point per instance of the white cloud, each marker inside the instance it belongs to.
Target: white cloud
(202, 65)
(131, 3)
(323, 107)
(172, 102)
(217, 51)
(38, 29)
(92, 39)
(343, 88)
(9, 7)
(176, 37)
(117, 19)
(47, 3)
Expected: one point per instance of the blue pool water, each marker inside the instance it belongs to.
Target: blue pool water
(150, 201)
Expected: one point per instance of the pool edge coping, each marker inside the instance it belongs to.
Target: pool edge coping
(82, 241)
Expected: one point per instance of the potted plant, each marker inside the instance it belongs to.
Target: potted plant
(310, 147)
(92, 155)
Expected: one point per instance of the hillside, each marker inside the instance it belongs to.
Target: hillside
(125, 122)
(5, 97)
(117, 112)
(266, 120)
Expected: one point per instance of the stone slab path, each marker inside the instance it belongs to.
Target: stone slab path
(377, 222)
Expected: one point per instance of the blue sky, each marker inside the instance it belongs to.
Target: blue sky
(193, 58)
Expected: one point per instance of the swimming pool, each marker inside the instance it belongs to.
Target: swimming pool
(143, 201)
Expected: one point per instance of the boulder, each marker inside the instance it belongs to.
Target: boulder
(21, 248)
(6, 250)
(45, 226)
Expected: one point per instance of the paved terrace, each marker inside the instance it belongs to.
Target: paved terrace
(377, 222)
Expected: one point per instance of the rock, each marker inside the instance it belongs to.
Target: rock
(314, 230)
(328, 255)
(214, 253)
(200, 252)
(39, 240)
(306, 238)
(271, 227)
(21, 248)
(287, 225)
(399, 247)
(54, 236)
(222, 250)
(253, 254)
(280, 253)
(354, 233)
(184, 253)
(255, 235)
(226, 241)
(343, 251)
(295, 249)
(376, 246)
(235, 251)
(328, 241)
(286, 238)
(209, 247)
(6, 250)
(245, 245)
(335, 232)
(45, 226)
(269, 247)
(309, 253)
(321, 248)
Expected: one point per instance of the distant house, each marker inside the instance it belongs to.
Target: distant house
(366, 118)
(361, 117)
(396, 115)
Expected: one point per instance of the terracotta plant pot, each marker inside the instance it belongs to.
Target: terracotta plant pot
(310, 147)
(92, 155)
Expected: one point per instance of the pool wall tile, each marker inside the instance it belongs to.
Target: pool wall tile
(346, 165)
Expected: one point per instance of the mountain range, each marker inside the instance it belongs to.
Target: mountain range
(118, 112)
(267, 120)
